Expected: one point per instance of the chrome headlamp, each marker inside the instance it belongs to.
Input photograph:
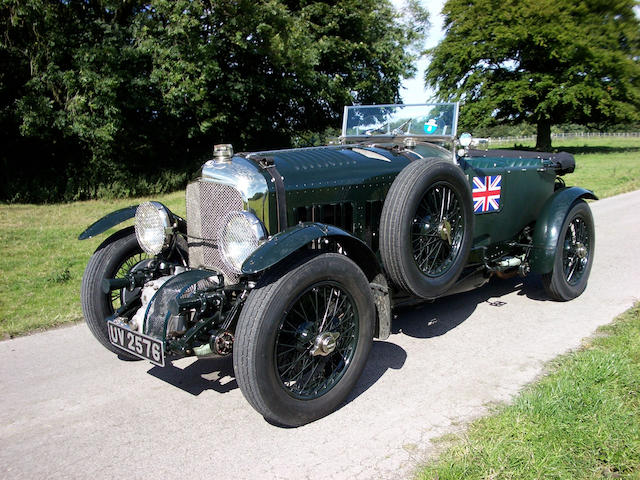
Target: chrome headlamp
(153, 227)
(241, 235)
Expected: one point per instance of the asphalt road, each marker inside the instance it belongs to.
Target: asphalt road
(70, 409)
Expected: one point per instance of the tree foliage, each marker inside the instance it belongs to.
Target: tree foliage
(103, 97)
(541, 61)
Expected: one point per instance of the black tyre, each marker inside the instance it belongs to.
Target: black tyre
(426, 227)
(303, 338)
(114, 258)
(574, 255)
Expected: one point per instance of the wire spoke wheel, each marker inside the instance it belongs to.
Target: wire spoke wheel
(114, 258)
(303, 338)
(117, 296)
(316, 340)
(437, 229)
(575, 255)
(426, 227)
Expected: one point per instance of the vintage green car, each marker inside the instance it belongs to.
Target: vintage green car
(292, 260)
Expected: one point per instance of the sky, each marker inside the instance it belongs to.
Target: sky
(413, 89)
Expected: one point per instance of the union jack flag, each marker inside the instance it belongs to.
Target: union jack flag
(486, 194)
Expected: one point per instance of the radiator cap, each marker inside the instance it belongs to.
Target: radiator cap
(222, 152)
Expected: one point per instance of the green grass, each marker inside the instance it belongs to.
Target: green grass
(41, 262)
(581, 421)
(608, 166)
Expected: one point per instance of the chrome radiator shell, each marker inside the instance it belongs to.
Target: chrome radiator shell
(223, 188)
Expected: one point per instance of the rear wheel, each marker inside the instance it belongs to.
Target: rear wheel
(303, 339)
(574, 255)
(114, 258)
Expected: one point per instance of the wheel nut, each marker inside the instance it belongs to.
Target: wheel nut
(324, 344)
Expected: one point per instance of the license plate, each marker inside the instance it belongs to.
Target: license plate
(136, 343)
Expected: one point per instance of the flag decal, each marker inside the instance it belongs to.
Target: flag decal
(486, 194)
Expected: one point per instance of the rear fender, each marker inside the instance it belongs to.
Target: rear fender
(285, 244)
(549, 225)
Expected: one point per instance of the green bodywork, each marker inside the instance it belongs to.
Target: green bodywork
(283, 244)
(337, 186)
(317, 178)
(337, 193)
(526, 185)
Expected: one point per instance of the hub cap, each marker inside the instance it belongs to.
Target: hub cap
(444, 229)
(324, 344)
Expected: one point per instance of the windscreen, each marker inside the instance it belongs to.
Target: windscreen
(428, 120)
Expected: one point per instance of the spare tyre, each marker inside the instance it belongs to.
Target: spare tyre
(426, 227)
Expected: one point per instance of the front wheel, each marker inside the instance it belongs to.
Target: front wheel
(303, 339)
(114, 258)
(573, 256)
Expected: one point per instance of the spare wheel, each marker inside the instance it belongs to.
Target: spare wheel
(426, 227)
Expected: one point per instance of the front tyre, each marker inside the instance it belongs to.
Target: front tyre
(114, 258)
(573, 256)
(303, 338)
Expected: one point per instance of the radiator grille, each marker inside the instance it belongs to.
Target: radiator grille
(208, 204)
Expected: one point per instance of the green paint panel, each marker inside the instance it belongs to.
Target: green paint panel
(342, 174)
(353, 187)
(335, 175)
(285, 243)
(526, 185)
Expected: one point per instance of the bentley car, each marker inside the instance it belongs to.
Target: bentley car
(293, 260)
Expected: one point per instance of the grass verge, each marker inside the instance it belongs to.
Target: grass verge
(581, 421)
(608, 166)
(41, 262)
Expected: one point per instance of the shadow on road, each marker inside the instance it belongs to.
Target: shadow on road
(424, 321)
(383, 356)
(204, 374)
(437, 318)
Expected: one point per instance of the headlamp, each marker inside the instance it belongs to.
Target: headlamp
(153, 227)
(241, 235)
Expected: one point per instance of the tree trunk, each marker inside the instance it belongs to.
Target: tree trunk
(543, 139)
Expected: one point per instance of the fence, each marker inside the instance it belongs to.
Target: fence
(532, 138)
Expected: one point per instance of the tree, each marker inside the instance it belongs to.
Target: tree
(110, 95)
(80, 109)
(541, 61)
(258, 73)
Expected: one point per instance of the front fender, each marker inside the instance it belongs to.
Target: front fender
(108, 221)
(549, 225)
(285, 243)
